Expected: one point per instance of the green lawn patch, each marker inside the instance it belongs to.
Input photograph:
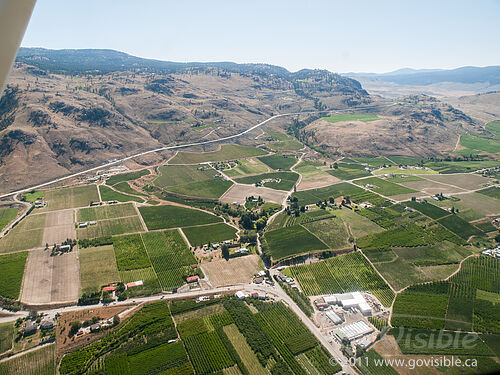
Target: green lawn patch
(201, 235)
(164, 217)
(286, 242)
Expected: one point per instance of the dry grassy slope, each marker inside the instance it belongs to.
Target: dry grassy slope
(484, 107)
(415, 126)
(66, 123)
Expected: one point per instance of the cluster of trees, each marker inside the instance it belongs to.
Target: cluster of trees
(99, 241)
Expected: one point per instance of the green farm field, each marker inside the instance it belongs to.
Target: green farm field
(150, 285)
(169, 256)
(480, 144)
(215, 233)
(405, 171)
(124, 187)
(278, 161)
(493, 192)
(106, 212)
(173, 175)
(349, 171)
(192, 180)
(341, 274)
(28, 234)
(111, 227)
(289, 241)
(312, 196)
(213, 188)
(12, 266)
(447, 167)
(288, 180)
(130, 252)
(6, 336)
(164, 217)
(227, 152)
(283, 142)
(73, 197)
(108, 194)
(123, 177)
(40, 361)
(466, 301)
(332, 232)
(384, 187)
(358, 225)
(97, 268)
(459, 226)
(377, 162)
(6, 216)
(352, 117)
(247, 167)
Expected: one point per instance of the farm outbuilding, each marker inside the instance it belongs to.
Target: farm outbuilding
(353, 331)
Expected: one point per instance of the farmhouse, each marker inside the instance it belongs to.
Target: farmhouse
(193, 279)
(29, 327)
(83, 225)
(109, 289)
(240, 295)
(134, 283)
(47, 324)
(352, 331)
(95, 327)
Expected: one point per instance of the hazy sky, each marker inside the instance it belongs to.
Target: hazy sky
(342, 36)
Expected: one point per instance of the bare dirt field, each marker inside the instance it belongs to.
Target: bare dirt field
(51, 279)
(238, 193)
(317, 181)
(232, 272)
(463, 180)
(432, 187)
(59, 226)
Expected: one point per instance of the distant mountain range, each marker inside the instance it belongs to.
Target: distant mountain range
(423, 77)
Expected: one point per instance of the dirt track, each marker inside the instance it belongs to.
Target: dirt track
(51, 279)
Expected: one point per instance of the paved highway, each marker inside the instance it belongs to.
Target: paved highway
(176, 147)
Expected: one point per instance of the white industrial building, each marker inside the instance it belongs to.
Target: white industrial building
(333, 316)
(353, 331)
(349, 300)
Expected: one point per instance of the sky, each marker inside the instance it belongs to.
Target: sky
(341, 36)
